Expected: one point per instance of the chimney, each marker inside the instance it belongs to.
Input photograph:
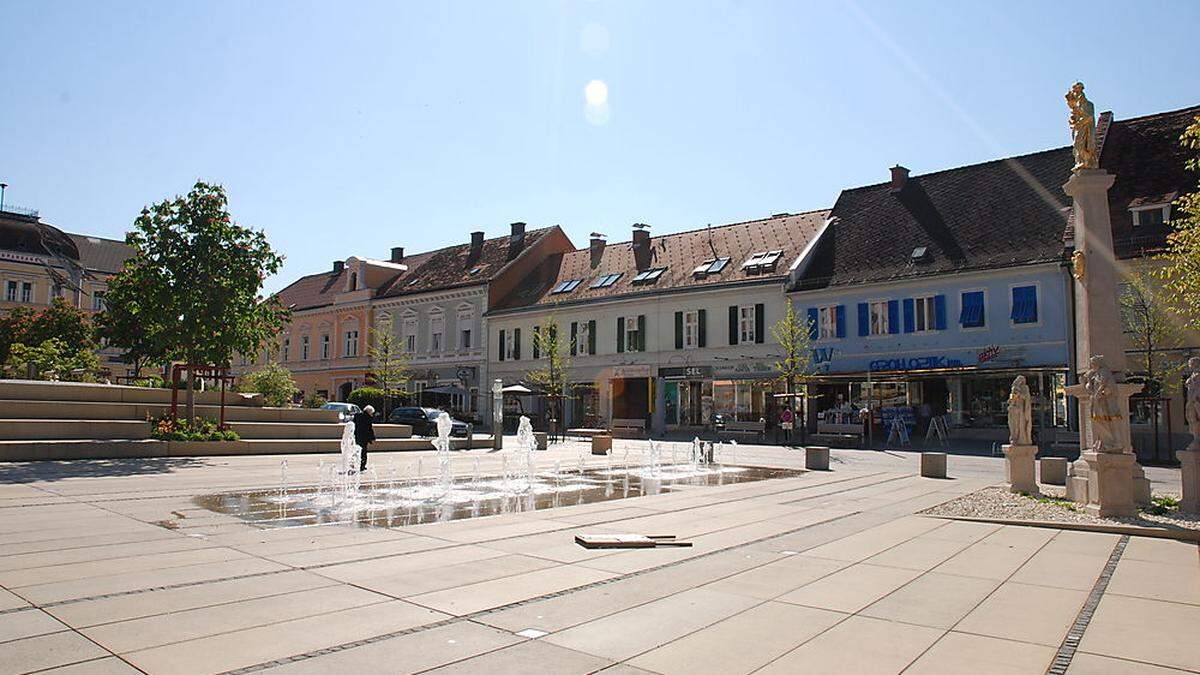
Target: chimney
(899, 178)
(397, 254)
(516, 240)
(596, 245)
(338, 266)
(641, 236)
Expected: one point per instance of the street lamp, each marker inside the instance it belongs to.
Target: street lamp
(3, 187)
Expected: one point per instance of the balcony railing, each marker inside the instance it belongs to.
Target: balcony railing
(19, 210)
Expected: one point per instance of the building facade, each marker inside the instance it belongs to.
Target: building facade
(669, 331)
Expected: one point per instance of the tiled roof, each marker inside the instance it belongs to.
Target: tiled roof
(996, 214)
(454, 266)
(1145, 156)
(101, 255)
(314, 290)
(678, 253)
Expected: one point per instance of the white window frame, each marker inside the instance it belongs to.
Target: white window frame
(1137, 211)
(581, 338)
(466, 327)
(631, 333)
(304, 342)
(10, 291)
(747, 323)
(508, 343)
(878, 315)
(827, 322)
(924, 314)
(97, 300)
(691, 329)
(326, 342)
(350, 346)
(408, 332)
(27, 292)
(437, 331)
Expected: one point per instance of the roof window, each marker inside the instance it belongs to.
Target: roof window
(649, 276)
(605, 280)
(566, 286)
(761, 262)
(710, 266)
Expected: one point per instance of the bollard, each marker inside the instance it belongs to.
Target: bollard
(816, 458)
(933, 464)
(1054, 470)
(601, 444)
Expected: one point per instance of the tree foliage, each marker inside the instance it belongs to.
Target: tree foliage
(389, 365)
(51, 359)
(274, 382)
(1154, 328)
(553, 352)
(792, 333)
(61, 321)
(1182, 271)
(191, 291)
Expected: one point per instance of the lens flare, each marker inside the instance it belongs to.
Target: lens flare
(596, 93)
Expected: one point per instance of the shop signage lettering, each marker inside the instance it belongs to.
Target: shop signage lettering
(989, 353)
(822, 355)
(686, 373)
(915, 363)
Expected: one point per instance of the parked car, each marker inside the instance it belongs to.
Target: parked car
(346, 411)
(424, 421)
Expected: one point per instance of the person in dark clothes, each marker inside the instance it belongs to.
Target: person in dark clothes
(364, 432)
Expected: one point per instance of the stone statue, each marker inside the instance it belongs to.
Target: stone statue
(1083, 129)
(1020, 413)
(1105, 405)
(1191, 407)
(1078, 265)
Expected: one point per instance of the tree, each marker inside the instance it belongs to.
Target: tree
(794, 336)
(274, 382)
(60, 321)
(389, 365)
(1155, 330)
(51, 359)
(1182, 271)
(127, 323)
(195, 278)
(551, 378)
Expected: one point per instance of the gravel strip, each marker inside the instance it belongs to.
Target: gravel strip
(998, 502)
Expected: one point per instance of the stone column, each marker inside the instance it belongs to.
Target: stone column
(1020, 468)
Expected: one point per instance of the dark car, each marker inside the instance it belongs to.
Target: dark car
(424, 421)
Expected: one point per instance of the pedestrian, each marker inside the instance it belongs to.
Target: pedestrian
(364, 432)
(786, 422)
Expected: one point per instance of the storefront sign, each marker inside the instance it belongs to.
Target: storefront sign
(989, 353)
(628, 372)
(915, 363)
(823, 355)
(686, 373)
(743, 368)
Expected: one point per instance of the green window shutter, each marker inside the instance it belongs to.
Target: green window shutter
(641, 334)
(501, 342)
(702, 328)
(678, 330)
(591, 345)
(620, 334)
(537, 347)
(760, 323)
(574, 338)
(516, 338)
(733, 324)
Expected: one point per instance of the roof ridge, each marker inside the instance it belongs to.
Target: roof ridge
(1163, 113)
(715, 227)
(965, 166)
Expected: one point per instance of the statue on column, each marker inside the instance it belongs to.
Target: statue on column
(1104, 397)
(1020, 413)
(1191, 408)
(1083, 129)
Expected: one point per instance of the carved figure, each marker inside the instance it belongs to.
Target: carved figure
(1079, 265)
(1105, 399)
(1020, 413)
(1192, 403)
(1083, 129)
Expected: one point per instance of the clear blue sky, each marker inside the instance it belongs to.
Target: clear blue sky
(348, 128)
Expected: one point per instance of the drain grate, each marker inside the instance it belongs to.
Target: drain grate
(1066, 651)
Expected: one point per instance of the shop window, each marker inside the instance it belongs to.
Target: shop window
(1024, 305)
(973, 315)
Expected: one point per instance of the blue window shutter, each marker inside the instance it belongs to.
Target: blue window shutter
(939, 312)
(1024, 304)
(893, 316)
(841, 321)
(864, 320)
(812, 323)
(1033, 308)
(972, 314)
(909, 320)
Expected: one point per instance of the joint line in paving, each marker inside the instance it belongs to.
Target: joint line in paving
(1070, 644)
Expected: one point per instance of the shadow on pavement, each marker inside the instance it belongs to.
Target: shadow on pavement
(54, 470)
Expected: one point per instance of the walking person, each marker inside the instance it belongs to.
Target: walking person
(364, 432)
(786, 422)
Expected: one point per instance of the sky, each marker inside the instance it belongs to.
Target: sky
(347, 128)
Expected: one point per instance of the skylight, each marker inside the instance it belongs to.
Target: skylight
(710, 266)
(762, 261)
(605, 280)
(474, 271)
(649, 276)
(566, 286)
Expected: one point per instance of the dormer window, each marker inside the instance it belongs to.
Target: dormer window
(353, 281)
(761, 262)
(1157, 214)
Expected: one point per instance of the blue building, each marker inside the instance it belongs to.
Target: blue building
(926, 295)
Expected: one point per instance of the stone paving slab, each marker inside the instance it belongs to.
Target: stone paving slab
(1026, 613)
(47, 651)
(1094, 664)
(957, 653)
(27, 623)
(1150, 631)
(530, 657)
(859, 645)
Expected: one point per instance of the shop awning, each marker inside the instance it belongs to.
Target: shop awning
(518, 389)
(447, 389)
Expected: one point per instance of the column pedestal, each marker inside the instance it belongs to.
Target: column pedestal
(1189, 471)
(1110, 490)
(1020, 468)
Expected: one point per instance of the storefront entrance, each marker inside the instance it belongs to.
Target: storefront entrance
(631, 398)
(685, 403)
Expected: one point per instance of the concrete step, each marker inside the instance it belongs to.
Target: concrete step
(35, 429)
(31, 390)
(39, 450)
(104, 410)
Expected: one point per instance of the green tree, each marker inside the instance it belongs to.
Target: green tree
(274, 382)
(51, 359)
(127, 323)
(196, 277)
(1155, 331)
(553, 350)
(60, 320)
(1182, 271)
(389, 366)
(794, 336)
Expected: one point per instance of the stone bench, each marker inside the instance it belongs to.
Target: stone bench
(933, 464)
(816, 458)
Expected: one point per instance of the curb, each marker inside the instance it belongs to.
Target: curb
(1190, 536)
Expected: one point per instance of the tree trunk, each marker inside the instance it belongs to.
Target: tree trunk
(191, 394)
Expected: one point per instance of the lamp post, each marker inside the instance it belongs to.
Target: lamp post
(3, 187)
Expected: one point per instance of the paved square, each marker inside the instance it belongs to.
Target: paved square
(113, 567)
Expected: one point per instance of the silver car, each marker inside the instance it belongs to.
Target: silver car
(346, 411)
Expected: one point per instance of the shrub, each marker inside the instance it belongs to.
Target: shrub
(274, 382)
(314, 401)
(51, 360)
(167, 428)
(151, 382)
(368, 396)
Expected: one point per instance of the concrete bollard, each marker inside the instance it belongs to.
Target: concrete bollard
(601, 444)
(1053, 470)
(816, 458)
(542, 438)
(933, 464)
